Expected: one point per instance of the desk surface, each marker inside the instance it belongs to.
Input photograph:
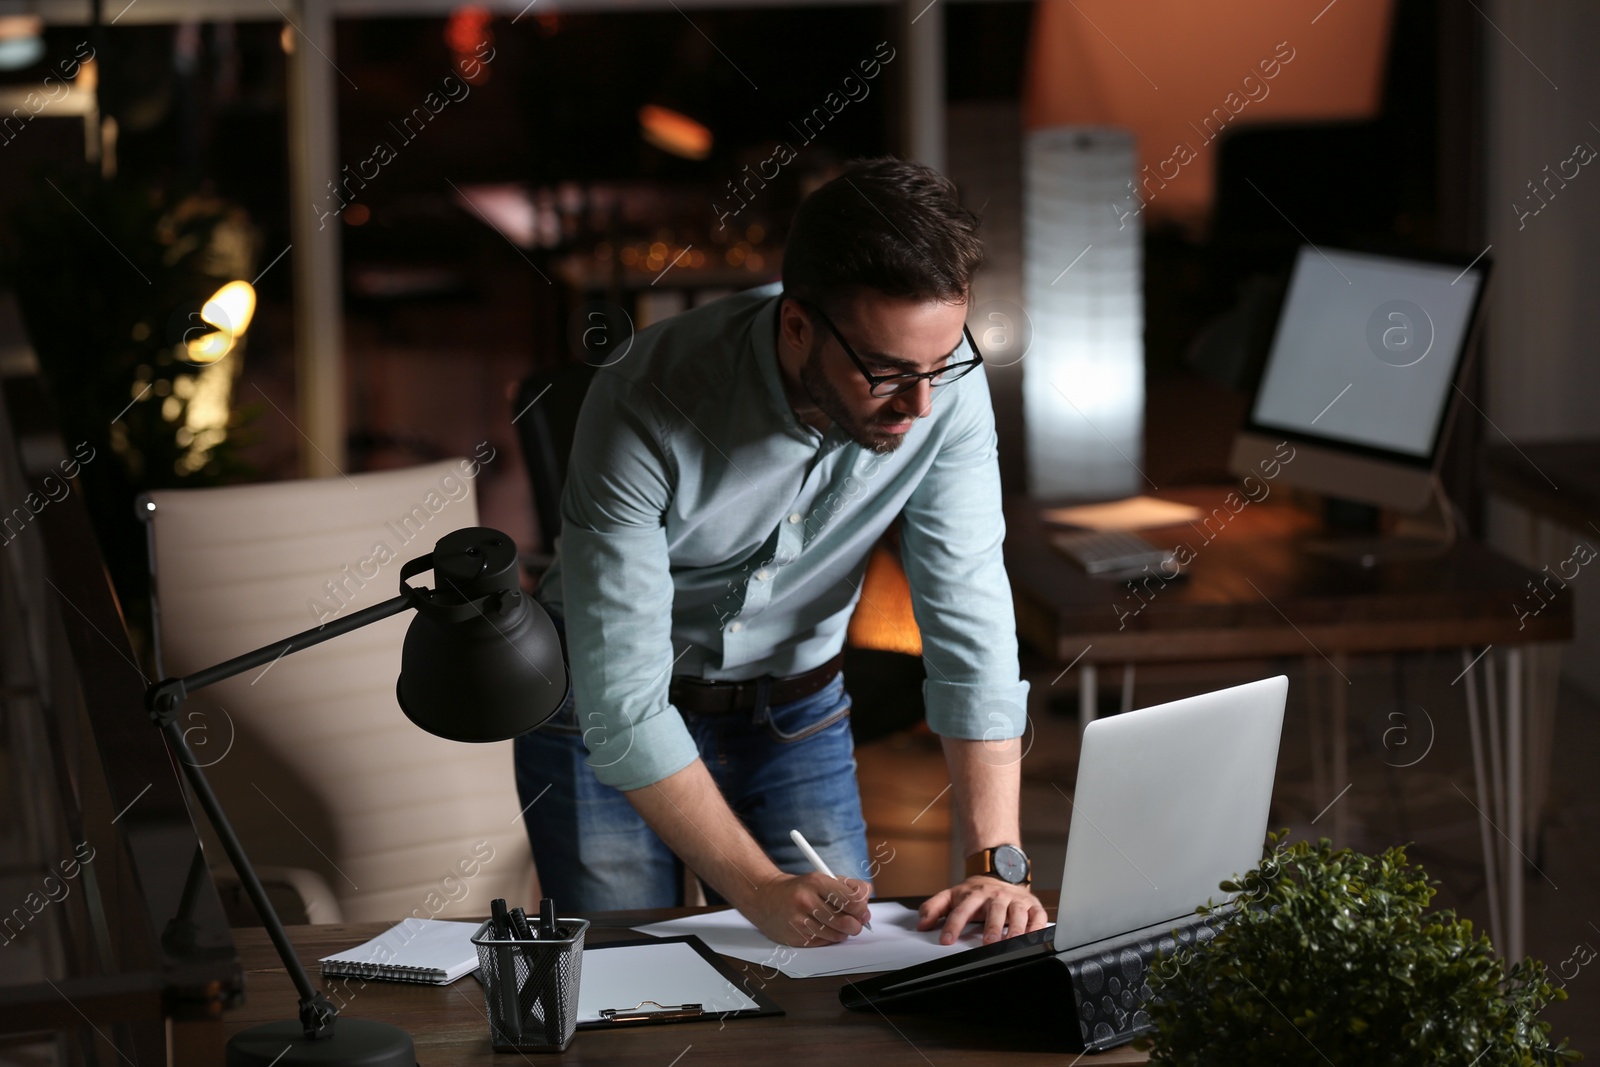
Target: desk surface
(450, 1028)
(1252, 590)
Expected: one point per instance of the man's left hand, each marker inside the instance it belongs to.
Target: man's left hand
(1005, 910)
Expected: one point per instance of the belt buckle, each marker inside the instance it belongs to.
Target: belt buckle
(708, 698)
(749, 695)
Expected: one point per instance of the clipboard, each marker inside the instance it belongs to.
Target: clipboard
(687, 995)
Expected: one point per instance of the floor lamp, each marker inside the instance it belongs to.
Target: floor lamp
(1083, 380)
(481, 662)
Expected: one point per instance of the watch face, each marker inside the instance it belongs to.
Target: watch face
(1010, 864)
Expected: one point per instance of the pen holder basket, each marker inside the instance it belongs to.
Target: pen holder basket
(531, 987)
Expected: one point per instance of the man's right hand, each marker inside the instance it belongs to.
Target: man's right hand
(688, 812)
(806, 910)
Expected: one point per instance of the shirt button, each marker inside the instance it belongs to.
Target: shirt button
(763, 574)
(735, 627)
(795, 518)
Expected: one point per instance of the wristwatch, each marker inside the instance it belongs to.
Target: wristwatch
(1005, 862)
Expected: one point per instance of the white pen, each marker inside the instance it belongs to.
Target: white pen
(816, 861)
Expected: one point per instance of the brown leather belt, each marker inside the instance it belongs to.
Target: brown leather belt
(698, 696)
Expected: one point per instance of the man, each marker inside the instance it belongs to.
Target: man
(729, 476)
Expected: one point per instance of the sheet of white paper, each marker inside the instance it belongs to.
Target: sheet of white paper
(892, 943)
(672, 973)
(1134, 513)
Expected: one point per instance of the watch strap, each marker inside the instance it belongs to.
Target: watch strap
(980, 863)
(983, 863)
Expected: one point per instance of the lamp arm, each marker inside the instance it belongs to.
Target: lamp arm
(304, 639)
(164, 698)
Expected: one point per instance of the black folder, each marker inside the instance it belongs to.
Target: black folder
(1024, 982)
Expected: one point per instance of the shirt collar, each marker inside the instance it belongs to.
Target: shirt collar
(764, 341)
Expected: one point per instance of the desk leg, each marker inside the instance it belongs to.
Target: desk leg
(1088, 695)
(1502, 825)
(1510, 826)
(1480, 775)
(1497, 762)
(1514, 821)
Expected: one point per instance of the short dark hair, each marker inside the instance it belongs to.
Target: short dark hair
(884, 224)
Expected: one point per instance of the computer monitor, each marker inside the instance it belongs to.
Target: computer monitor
(1361, 377)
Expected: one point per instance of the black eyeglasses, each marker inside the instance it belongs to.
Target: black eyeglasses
(883, 385)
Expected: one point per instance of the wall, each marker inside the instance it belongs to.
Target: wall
(1543, 373)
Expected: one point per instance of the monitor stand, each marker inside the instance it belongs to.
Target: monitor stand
(1369, 552)
(1423, 536)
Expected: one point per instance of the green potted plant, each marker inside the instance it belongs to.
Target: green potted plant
(1333, 957)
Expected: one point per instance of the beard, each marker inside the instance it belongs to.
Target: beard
(864, 431)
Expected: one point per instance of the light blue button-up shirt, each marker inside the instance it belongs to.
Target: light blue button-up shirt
(707, 531)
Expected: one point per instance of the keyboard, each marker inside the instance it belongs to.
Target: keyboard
(1109, 553)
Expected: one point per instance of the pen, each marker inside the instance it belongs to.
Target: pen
(547, 918)
(815, 860)
(505, 964)
(551, 995)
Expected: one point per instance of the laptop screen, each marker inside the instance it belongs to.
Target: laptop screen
(1170, 801)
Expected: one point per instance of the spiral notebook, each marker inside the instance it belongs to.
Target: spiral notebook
(432, 951)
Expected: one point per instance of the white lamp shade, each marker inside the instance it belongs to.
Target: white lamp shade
(1083, 379)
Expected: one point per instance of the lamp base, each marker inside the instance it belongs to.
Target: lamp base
(355, 1043)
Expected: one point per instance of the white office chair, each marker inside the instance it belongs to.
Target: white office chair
(322, 775)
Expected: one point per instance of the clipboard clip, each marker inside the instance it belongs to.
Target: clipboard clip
(638, 1013)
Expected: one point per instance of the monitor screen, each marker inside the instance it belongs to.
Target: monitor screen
(1367, 349)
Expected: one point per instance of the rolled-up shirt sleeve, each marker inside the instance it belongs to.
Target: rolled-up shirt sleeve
(951, 537)
(618, 590)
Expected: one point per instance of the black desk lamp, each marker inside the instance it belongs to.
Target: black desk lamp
(481, 662)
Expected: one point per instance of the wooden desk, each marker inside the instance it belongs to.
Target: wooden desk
(450, 1027)
(1253, 590)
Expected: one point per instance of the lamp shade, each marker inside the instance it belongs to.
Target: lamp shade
(481, 661)
(1083, 380)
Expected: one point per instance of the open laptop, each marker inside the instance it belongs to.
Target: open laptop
(1171, 800)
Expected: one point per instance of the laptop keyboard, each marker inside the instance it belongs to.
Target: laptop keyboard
(1109, 552)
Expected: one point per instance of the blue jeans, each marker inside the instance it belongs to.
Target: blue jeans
(783, 767)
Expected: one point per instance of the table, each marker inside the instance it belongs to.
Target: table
(1253, 590)
(450, 1027)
